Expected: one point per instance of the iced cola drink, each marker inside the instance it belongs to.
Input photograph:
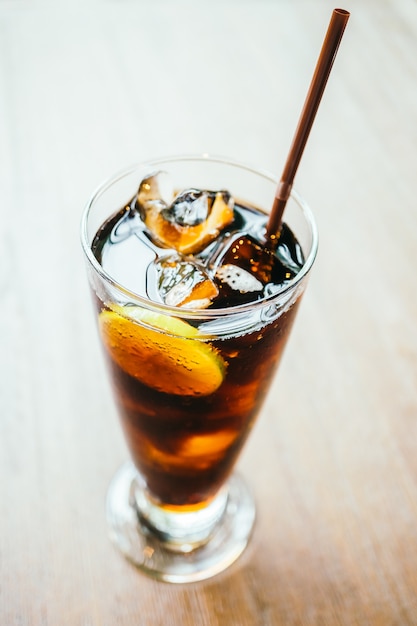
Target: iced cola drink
(194, 311)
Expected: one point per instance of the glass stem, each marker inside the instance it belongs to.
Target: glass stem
(180, 531)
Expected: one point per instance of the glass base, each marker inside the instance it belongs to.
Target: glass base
(192, 553)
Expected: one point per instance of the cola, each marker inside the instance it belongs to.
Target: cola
(189, 387)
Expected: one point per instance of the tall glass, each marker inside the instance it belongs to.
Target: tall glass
(188, 385)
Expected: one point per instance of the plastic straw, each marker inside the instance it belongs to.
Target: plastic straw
(324, 65)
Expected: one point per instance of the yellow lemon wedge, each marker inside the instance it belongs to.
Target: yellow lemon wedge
(160, 351)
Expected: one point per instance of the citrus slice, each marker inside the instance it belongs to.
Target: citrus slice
(160, 351)
(190, 239)
(197, 451)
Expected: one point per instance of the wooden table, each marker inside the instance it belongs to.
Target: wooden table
(88, 88)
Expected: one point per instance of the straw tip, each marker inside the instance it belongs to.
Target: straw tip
(342, 12)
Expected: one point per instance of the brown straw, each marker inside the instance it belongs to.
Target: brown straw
(324, 65)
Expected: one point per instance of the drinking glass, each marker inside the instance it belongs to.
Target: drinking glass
(188, 384)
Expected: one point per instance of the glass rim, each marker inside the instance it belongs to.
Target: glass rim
(181, 311)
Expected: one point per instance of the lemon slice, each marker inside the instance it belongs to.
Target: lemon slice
(168, 357)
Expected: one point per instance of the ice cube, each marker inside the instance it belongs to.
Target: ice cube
(190, 207)
(183, 283)
(250, 256)
(190, 222)
(155, 190)
(238, 278)
(236, 286)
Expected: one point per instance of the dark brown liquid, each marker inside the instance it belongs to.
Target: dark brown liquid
(185, 446)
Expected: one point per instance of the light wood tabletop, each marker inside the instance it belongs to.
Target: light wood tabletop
(87, 88)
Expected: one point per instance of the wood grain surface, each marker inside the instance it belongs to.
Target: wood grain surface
(87, 88)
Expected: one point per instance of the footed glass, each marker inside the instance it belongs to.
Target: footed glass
(188, 383)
